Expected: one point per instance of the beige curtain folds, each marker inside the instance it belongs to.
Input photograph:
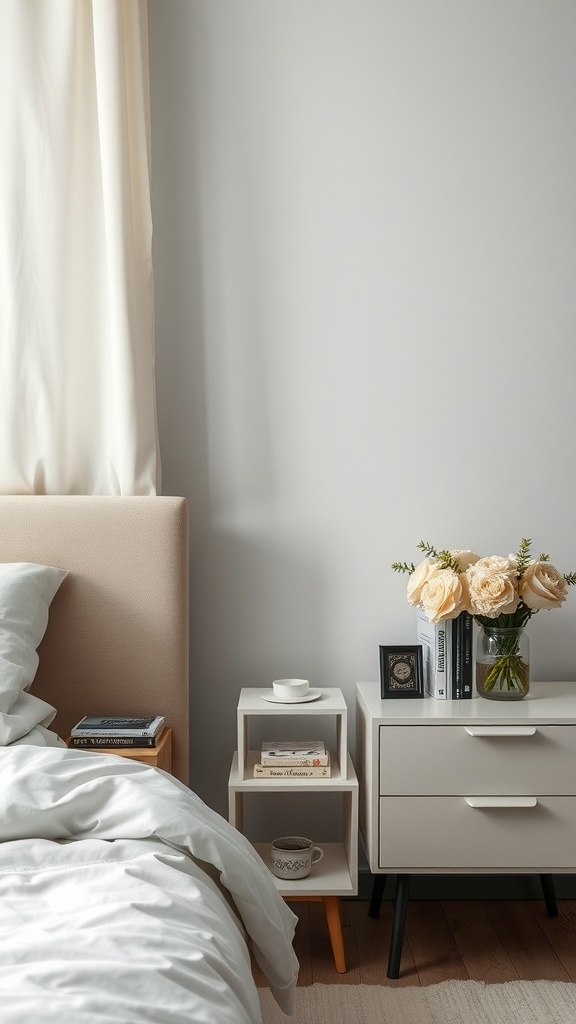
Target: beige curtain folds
(77, 391)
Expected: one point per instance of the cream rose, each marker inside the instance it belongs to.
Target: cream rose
(442, 597)
(542, 586)
(418, 579)
(492, 587)
(464, 558)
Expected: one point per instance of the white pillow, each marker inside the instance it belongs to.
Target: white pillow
(26, 592)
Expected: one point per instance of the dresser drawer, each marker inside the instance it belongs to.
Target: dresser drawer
(468, 759)
(431, 833)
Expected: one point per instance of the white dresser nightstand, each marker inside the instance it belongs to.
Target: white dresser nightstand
(466, 786)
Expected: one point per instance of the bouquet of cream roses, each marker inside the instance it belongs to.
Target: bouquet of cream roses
(497, 591)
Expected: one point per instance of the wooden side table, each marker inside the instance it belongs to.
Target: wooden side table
(159, 756)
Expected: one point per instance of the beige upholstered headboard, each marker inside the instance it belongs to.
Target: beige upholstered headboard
(117, 639)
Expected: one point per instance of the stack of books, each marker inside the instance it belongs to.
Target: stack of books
(117, 731)
(298, 759)
(448, 654)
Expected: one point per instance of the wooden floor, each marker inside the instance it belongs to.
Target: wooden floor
(492, 940)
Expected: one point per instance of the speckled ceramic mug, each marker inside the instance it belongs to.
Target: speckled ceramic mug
(293, 856)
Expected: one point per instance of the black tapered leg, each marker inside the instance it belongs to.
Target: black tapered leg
(547, 883)
(400, 907)
(377, 893)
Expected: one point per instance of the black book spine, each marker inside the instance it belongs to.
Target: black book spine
(118, 742)
(457, 657)
(467, 654)
(462, 654)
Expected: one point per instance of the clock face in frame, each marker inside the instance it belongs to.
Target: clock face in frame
(402, 672)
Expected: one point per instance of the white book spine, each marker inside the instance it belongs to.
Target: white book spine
(264, 772)
(314, 761)
(293, 747)
(436, 641)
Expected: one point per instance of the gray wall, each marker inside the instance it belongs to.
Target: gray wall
(365, 257)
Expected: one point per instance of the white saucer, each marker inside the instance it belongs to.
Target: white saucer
(273, 699)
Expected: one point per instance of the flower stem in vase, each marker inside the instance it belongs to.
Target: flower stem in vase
(502, 664)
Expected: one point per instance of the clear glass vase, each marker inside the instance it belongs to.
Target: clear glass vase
(503, 663)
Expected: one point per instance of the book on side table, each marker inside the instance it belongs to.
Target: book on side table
(297, 759)
(119, 731)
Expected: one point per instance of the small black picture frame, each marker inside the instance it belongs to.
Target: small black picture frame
(401, 672)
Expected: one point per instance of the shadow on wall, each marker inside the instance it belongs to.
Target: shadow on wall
(256, 615)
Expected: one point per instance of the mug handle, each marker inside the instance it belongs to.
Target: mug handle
(317, 854)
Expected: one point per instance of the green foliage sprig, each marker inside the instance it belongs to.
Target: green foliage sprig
(403, 566)
(444, 559)
(523, 555)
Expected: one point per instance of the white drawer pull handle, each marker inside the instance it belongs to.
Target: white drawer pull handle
(500, 730)
(501, 801)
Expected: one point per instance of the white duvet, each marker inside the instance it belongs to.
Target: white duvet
(107, 913)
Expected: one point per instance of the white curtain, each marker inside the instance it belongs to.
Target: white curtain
(77, 392)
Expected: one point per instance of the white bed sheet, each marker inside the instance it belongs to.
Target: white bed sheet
(121, 930)
(107, 913)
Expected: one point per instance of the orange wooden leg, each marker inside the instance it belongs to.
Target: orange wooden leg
(334, 922)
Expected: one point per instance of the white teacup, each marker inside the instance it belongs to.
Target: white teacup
(290, 689)
(293, 856)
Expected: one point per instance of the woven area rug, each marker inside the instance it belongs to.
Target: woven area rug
(452, 1002)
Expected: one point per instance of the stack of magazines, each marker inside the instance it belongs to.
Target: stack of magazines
(298, 759)
(118, 731)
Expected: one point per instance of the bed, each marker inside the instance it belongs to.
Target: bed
(124, 897)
